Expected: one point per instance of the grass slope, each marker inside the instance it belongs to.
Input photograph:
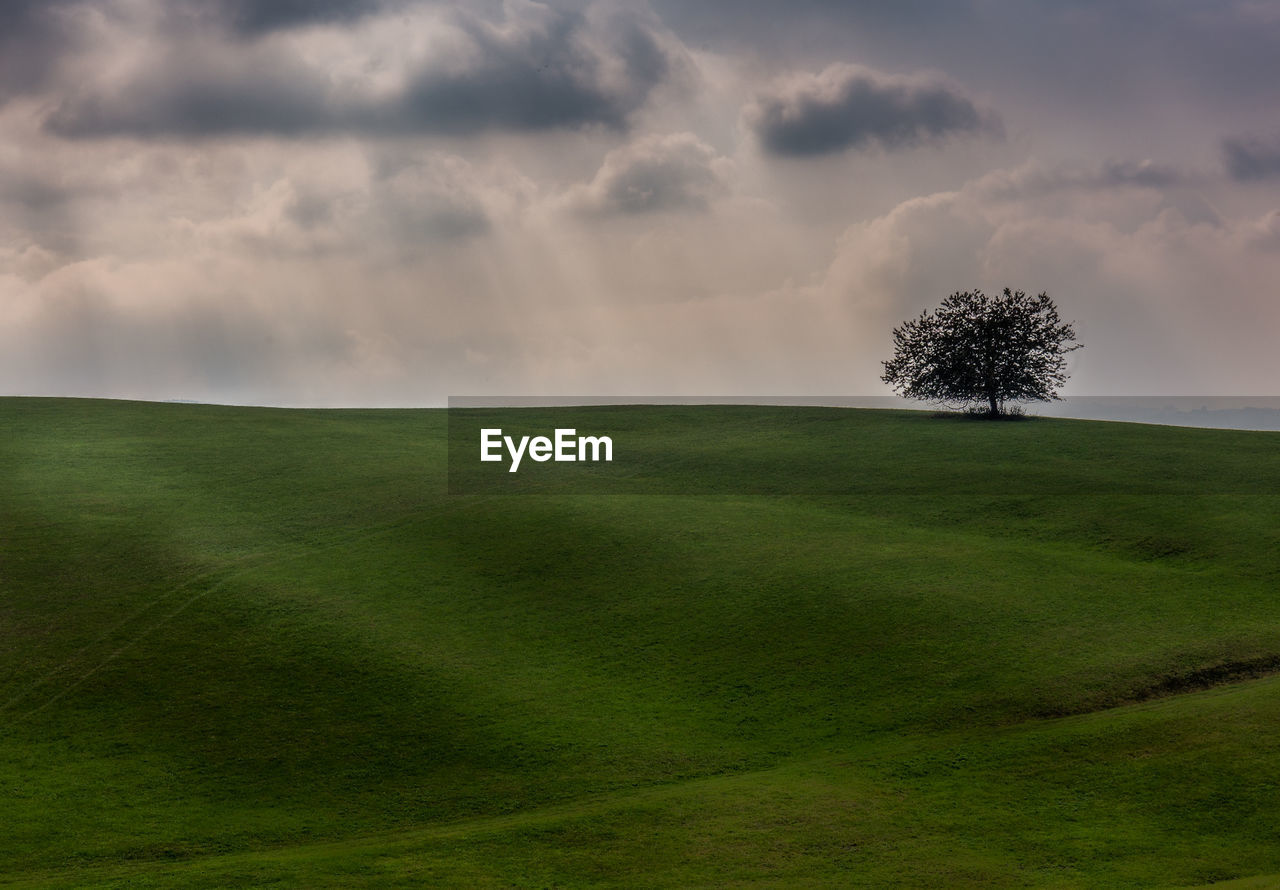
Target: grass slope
(252, 646)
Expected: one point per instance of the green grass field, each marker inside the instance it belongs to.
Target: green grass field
(260, 647)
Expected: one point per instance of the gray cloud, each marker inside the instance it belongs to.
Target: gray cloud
(1031, 179)
(37, 36)
(658, 173)
(1224, 55)
(33, 36)
(40, 201)
(389, 209)
(33, 195)
(713, 20)
(541, 77)
(228, 247)
(432, 200)
(1147, 174)
(263, 16)
(849, 107)
(539, 69)
(195, 94)
(444, 222)
(1169, 185)
(1251, 159)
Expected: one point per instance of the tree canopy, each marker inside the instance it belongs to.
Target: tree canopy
(980, 350)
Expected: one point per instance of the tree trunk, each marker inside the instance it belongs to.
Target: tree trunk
(995, 406)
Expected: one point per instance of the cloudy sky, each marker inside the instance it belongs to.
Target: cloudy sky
(386, 202)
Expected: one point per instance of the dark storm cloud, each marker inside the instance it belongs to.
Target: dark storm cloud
(540, 69)
(1251, 159)
(848, 107)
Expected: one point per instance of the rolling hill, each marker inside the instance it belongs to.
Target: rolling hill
(772, 646)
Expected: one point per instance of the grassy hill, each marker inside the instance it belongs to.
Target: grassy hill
(247, 646)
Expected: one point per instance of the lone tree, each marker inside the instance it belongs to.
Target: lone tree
(976, 350)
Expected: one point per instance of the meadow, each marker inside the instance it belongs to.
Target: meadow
(766, 646)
